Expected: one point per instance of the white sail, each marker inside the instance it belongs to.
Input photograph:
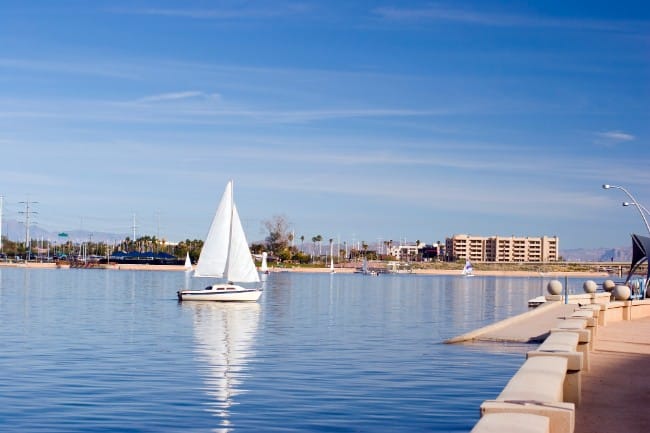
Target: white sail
(188, 262)
(468, 269)
(212, 260)
(240, 266)
(264, 267)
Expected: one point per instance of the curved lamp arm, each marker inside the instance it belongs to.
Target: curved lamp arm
(634, 202)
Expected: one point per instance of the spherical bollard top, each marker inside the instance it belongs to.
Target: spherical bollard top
(621, 293)
(554, 287)
(608, 285)
(589, 286)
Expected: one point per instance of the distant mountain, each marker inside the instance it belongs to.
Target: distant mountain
(620, 254)
(15, 231)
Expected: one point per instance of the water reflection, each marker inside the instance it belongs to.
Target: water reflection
(224, 333)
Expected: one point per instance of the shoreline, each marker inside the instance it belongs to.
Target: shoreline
(347, 270)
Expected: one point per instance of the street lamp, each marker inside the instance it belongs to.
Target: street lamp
(643, 208)
(635, 203)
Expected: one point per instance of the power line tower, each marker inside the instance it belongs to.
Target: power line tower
(28, 212)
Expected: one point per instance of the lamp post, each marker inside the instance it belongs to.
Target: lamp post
(635, 203)
(643, 208)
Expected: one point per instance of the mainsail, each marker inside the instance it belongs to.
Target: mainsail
(225, 251)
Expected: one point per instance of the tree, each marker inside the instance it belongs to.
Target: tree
(278, 237)
(331, 251)
(314, 240)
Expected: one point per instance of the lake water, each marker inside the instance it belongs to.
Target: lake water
(113, 351)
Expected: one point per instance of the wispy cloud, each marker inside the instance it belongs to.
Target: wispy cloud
(224, 13)
(496, 19)
(94, 68)
(612, 138)
(174, 96)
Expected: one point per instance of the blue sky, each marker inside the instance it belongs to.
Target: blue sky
(357, 120)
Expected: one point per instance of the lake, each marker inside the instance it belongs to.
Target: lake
(113, 351)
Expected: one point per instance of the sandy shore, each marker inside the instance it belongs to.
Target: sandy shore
(346, 270)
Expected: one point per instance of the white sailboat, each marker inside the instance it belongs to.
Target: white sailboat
(365, 270)
(468, 270)
(264, 268)
(226, 255)
(188, 263)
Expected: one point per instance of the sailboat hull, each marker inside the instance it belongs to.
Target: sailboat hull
(221, 293)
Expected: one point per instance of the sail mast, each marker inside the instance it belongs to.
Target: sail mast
(232, 207)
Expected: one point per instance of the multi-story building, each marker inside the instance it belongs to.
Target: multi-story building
(405, 251)
(503, 249)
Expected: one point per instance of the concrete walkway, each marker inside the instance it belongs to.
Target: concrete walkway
(531, 326)
(616, 390)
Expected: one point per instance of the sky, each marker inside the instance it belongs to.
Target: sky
(353, 120)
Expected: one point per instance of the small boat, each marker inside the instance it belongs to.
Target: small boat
(226, 255)
(468, 270)
(188, 263)
(264, 267)
(365, 270)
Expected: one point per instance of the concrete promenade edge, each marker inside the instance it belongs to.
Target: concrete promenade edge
(616, 390)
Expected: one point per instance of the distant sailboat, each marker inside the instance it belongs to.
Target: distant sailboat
(225, 254)
(365, 270)
(468, 270)
(188, 263)
(264, 268)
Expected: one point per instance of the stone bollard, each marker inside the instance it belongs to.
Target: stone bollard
(608, 285)
(621, 293)
(589, 286)
(554, 287)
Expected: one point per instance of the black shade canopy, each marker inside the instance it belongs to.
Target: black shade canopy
(640, 251)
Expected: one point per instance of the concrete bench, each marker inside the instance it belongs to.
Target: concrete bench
(585, 314)
(537, 388)
(596, 309)
(507, 422)
(590, 317)
(565, 344)
(578, 326)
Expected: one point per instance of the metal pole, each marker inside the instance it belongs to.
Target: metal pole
(566, 289)
(638, 206)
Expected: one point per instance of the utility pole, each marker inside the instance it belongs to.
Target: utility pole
(27, 212)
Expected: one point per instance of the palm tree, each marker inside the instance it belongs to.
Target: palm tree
(314, 239)
(302, 241)
(331, 251)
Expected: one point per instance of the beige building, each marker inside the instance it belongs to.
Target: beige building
(503, 249)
